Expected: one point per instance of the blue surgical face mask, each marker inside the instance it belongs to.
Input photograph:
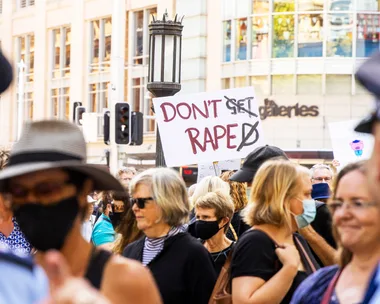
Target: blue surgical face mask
(309, 211)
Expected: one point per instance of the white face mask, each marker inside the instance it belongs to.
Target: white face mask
(309, 212)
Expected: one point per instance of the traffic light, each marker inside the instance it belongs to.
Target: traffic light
(122, 120)
(137, 128)
(79, 110)
(106, 127)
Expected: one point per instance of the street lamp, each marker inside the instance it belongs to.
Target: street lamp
(164, 79)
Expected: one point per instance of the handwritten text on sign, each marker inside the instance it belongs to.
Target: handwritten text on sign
(209, 126)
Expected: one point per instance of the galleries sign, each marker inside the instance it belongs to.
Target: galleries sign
(208, 127)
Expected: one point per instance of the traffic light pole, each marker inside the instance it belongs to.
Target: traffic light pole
(117, 74)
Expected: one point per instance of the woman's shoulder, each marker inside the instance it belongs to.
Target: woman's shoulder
(312, 289)
(255, 236)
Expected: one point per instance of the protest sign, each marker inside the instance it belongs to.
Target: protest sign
(229, 165)
(209, 169)
(348, 145)
(208, 127)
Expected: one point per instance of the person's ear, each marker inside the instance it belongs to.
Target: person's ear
(224, 221)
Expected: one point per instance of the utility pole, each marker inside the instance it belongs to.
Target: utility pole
(117, 74)
(20, 99)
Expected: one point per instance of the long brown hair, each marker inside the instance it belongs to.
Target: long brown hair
(128, 226)
(238, 191)
(345, 255)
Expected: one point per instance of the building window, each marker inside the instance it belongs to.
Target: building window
(1, 6)
(260, 37)
(310, 35)
(282, 84)
(241, 39)
(226, 83)
(283, 6)
(368, 31)
(19, 4)
(310, 5)
(309, 84)
(61, 40)
(227, 41)
(339, 6)
(260, 6)
(98, 97)
(368, 5)
(138, 94)
(261, 85)
(100, 44)
(60, 103)
(141, 23)
(29, 96)
(283, 36)
(339, 35)
(25, 52)
(338, 84)
(240, 82)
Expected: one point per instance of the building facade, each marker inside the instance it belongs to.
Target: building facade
(299, 55)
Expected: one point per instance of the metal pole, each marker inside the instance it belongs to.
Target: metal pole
(160, 158)
(117, 74)
(20, 99)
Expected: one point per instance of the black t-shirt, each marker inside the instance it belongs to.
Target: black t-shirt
(254, 255)
(220, 258)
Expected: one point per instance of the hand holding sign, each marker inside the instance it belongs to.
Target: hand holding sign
(208, 127)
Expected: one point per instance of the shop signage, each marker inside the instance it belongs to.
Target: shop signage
(271, 109)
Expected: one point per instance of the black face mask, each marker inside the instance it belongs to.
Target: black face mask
(46, 227)
(204, 230)
(116, 218)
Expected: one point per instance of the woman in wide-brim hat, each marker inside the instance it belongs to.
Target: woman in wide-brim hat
(48, 181)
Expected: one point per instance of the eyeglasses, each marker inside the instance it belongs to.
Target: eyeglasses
(140, 202)
(322, 179)
(39, 191)
(353, 205)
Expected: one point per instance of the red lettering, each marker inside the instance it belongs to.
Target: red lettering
(208, 139)
(220, 136)
(229, 136)
(194, 141)
(183, 104)
(163, 108)
(196, 109)
(215, 106)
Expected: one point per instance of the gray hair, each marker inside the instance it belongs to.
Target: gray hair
(168, 190)
(127, 170)
(210, 184)
(320, 166)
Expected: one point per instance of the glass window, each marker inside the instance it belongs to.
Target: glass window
(368, 5)
(152, 13)
(283, 32)
(107, 38)
(260, 37)
(54, 102)
(283, 6)
(241, 39)
(309, 84)
(241, 8)
(310, 35)
(260, 6)
(260, 84)
(138, 50)
(57, 53)
(66, 102)
(367, 41)
(67, 52)
(136, 94)
(240, 82)
(29, 103)
(95, 37)
(228, 9)
(310, 5)
(227, 41)
(226, 83)
(282, 84)
(341, 5)
(339, 35)
(30, 64)
(93, 94)
(338, 84)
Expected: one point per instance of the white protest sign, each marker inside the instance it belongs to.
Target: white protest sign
(208, 169)
(229, 165)
(348, 145)
(208, 127)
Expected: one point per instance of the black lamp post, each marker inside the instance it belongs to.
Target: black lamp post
(164, 79)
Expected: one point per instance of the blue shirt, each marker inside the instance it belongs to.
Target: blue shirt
(103, 231)
(373, 292)
(21, 281)
(16, 241)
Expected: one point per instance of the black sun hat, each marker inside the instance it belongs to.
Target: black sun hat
(253, 162)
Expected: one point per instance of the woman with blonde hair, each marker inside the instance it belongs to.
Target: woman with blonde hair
(271, 260)
(181, 266)
(238, 193)
(356, 227)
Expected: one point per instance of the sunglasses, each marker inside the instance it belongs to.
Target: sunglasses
(141, 201)
(39, 191)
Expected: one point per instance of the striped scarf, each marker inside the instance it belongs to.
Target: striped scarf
(152, 247)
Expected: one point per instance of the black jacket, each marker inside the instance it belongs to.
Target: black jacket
(183, 271)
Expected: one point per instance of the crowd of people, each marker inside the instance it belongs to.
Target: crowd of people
(272, 232)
